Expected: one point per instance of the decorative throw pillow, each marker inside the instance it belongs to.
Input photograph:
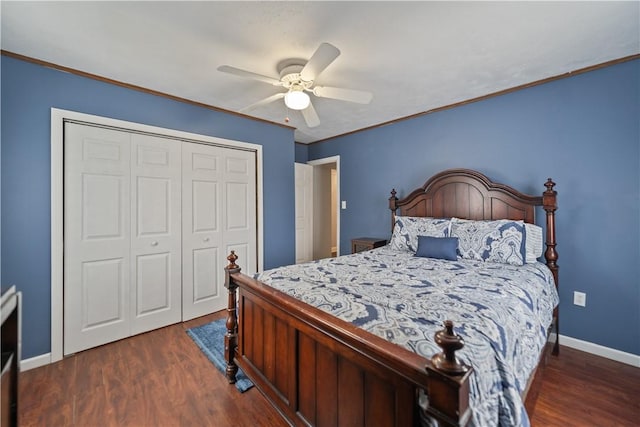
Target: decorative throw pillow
(533, 246)
(438, 247)
(407, 229)
(501, 241)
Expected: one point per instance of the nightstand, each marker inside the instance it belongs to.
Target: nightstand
(360, 244)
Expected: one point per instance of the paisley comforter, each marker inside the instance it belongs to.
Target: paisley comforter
(502, 312)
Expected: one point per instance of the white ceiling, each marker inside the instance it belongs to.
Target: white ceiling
(413, 56)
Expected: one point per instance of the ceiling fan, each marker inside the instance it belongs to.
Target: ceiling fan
(297, 76)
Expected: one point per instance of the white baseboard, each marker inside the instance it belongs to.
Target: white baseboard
(35, 362)
(599, 350)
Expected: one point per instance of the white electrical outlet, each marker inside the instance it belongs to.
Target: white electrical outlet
(344, 204)
(579, 298)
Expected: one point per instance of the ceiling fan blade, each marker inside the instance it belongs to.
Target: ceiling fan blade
(322, 57)
(265, 101)
(249, 75)
(359, 96)
(310, 116)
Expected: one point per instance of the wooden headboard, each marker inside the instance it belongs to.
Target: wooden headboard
(464, 193)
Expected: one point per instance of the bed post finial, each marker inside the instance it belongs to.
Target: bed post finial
(448, 386)
(550, 184)
(232, 258)
(449, 342)
(231, 337)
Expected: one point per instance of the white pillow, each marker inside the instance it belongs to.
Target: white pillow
(533, 245)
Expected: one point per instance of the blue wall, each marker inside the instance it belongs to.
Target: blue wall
(29, 92)
(302, 153)
(582, 131)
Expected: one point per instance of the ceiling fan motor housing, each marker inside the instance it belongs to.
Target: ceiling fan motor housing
(290, 76)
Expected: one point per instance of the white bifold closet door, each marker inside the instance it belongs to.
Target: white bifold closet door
(97, 237)
(147, 223)
(219, 215)
(156, 241)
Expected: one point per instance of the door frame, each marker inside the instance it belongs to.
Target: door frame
(58, 117)
(336, 160)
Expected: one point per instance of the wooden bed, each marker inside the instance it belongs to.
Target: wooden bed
(319, 370)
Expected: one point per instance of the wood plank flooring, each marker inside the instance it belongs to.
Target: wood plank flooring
(161, 378)
(580, 389)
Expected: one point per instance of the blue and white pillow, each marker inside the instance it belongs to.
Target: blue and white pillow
(407, 229)
(501, 241)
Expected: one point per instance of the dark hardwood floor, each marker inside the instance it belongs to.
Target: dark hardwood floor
(161, 378)
(580, 389)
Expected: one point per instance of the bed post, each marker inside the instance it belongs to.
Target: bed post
(231, 337)
(550, 205)
(448, 386)
(393, 206)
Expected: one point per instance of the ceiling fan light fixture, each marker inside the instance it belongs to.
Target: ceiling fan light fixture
(296, 99)
(297, 78)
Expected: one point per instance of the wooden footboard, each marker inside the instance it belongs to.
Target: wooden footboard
(319, 370)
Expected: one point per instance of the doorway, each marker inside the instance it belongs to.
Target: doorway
(320, 236)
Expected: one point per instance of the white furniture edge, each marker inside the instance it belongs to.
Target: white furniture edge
(11, 300)
(8, 302)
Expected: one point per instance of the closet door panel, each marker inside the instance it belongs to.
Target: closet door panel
(156, 291)
(206, 268)
(102, 291)
(97, 228)
(204, 206)
(153, 290)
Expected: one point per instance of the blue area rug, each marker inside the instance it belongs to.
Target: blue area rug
(210, 339)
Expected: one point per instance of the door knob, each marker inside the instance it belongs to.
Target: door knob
(154, 243)
(206, 239)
